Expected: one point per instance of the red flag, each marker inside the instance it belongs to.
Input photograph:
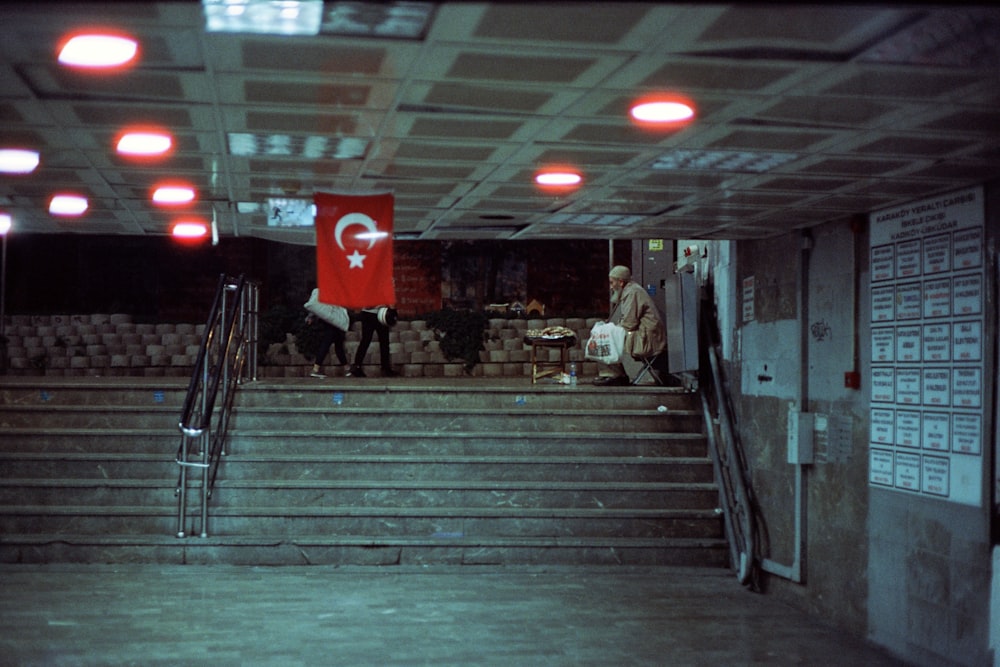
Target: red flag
(354, 249)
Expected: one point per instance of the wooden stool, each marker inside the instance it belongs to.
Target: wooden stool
(545, 368)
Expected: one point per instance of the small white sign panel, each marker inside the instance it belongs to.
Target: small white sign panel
(880, 468)
(936, 431)
(907, 471)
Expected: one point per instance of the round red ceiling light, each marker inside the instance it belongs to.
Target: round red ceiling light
(68, 205)
(173, 194)
(189, 230)
(18, 160)
(558, 178)
(662, 112)
(144, 143)
(98, 51)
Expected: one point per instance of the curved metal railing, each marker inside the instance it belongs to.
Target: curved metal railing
(227, 357)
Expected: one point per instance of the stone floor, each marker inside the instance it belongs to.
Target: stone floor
(151, 615)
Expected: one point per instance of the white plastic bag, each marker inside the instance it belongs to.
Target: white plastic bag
(606, 343)
(335, 315)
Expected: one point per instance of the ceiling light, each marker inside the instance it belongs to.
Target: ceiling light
(661, 112)
(18, 161)
(144, 143)
(173, 195)
(96, 51)
(189, 230)
(275, 17)
(6, 222)
(558, 178)
(68, 205)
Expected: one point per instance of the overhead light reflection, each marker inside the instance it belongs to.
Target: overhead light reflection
(68, 205)
(558, 178)
(97, 51)
(144, 143)
(662, 112)
(18, 160)
(173, 195)
(189, 230)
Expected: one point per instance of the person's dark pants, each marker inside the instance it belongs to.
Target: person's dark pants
(331, 336)
(369, 327)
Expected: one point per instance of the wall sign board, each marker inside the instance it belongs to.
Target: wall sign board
(927, 347)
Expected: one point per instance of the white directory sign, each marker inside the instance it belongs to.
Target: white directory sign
(937, 297)
(881, 466)
(883, 344)
(883, 425)
(936, 429)
(928, 330)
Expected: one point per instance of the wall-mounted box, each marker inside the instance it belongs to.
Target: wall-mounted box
(800, 437)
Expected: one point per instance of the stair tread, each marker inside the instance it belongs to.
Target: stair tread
(612, 412)
(77, 482)
(349, 510)
(363, 458)
(152, 539)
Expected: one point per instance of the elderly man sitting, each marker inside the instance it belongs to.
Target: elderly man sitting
(634, 310)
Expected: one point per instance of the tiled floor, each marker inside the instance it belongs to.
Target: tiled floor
(55, 615)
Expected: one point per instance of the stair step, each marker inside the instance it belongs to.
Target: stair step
(363, 472)
(364, 550)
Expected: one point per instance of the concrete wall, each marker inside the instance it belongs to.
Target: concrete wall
(911, 573)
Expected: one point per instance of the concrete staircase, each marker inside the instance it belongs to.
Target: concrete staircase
(362, 471)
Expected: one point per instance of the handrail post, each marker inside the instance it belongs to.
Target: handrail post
(252, 330)
(182, 488)
(205, 440)
(232, 324)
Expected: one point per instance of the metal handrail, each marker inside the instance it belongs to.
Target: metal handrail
(724, 448)
(226, 357)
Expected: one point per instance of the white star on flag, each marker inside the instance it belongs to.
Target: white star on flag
(357, 260)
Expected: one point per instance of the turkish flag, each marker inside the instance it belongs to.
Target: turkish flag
(354, 249)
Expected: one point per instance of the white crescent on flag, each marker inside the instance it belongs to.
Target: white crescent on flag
(355, 219)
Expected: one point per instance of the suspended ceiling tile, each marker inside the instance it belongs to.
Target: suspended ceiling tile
(470, 128)
(718, 76)
(901, 83)
(452, 152)
(917, 146)
(817, 110)
(584, 24)
(755, 140)
(325, 57)
(304, 93)
(122, 115)
(492, 99)
(807, 28)
(476, 66)
(855, 167)
(968, 121)
(804, 183)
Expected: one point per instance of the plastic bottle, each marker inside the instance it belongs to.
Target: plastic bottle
(572, 374)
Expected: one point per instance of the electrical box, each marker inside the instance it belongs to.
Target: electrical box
(800, 437)
(681, 303)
